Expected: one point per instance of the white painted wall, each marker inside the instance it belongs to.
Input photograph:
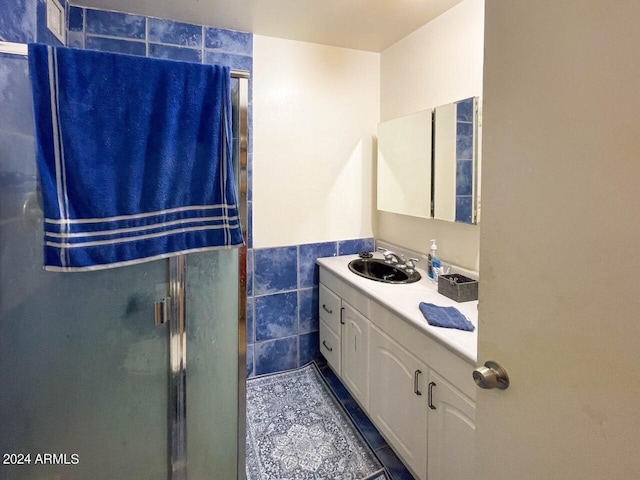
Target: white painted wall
(437, 64)
(315, 115)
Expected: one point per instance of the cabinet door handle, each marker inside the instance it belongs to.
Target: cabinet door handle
(324, 342)
(430, 395)
(416, 381)
(341, 319)
(324, 307)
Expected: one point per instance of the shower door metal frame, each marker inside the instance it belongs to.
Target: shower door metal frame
(243, 190)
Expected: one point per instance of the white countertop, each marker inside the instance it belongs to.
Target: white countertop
(403, 300)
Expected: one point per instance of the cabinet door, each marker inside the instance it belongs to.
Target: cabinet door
(398, 400)
(355, 353)
(330, 347)
(451, 432)
(329, 308)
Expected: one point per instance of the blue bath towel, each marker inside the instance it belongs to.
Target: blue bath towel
(447, 317)
(134, 156)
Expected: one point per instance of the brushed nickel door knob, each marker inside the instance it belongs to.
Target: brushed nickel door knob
(491, 375)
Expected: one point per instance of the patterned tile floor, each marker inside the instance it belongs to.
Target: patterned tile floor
(387, 457)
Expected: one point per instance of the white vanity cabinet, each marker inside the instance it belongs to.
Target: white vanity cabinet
(355, 353)
(330, 328)
(398, 400)
(419, 394)
(452, 429)
(435, 423)
(344, 336)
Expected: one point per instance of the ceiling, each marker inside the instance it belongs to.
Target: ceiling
(371, 25)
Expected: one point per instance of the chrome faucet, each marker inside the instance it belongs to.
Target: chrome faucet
(392, 258)
(411, 265)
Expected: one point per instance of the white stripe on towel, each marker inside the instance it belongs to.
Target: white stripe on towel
(76, 221)
(99, 233)
(56, 139)
(64, 245)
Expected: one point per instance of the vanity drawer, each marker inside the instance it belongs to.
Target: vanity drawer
(330, 346)
(330, 308)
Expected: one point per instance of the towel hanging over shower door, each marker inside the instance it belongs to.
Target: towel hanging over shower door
(134, 156)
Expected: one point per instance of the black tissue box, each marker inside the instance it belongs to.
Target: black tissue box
(458, 287)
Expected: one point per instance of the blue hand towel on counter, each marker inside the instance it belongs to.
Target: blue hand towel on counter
(134, 156)
(447, 317)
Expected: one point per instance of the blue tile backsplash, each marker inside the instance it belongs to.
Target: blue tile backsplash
(285, 302)
(276, 270)
(307, 268)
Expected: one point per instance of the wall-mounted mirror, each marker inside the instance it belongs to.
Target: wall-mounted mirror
(431, 176)
(404, 165)
(455, 162)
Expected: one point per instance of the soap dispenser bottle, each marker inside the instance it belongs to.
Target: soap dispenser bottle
(433, 262)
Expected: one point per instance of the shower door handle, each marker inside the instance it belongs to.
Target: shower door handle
(161, 311)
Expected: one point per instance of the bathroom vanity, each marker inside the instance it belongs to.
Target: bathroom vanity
(413, 380)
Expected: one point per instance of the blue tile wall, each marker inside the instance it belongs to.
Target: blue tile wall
(75, 19)
(308, 303)
(250, 323)
(276, 316)
(464, 209)
(250, 273)
(464, 110)
(116, 45)
(155, 37)
(171, 52)
(228, 41)
(309, 347)
(18, 21)
(351, 247)
(115, 24)
(276, 270)
(250, 362)
(464, 141)
(275, 356)
(240, 62)
(283, 289)
(464, 160)
(464, 177)
(175, 33)
(308, 270)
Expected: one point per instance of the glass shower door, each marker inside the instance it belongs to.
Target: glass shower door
(83, 368)
(85, 386)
